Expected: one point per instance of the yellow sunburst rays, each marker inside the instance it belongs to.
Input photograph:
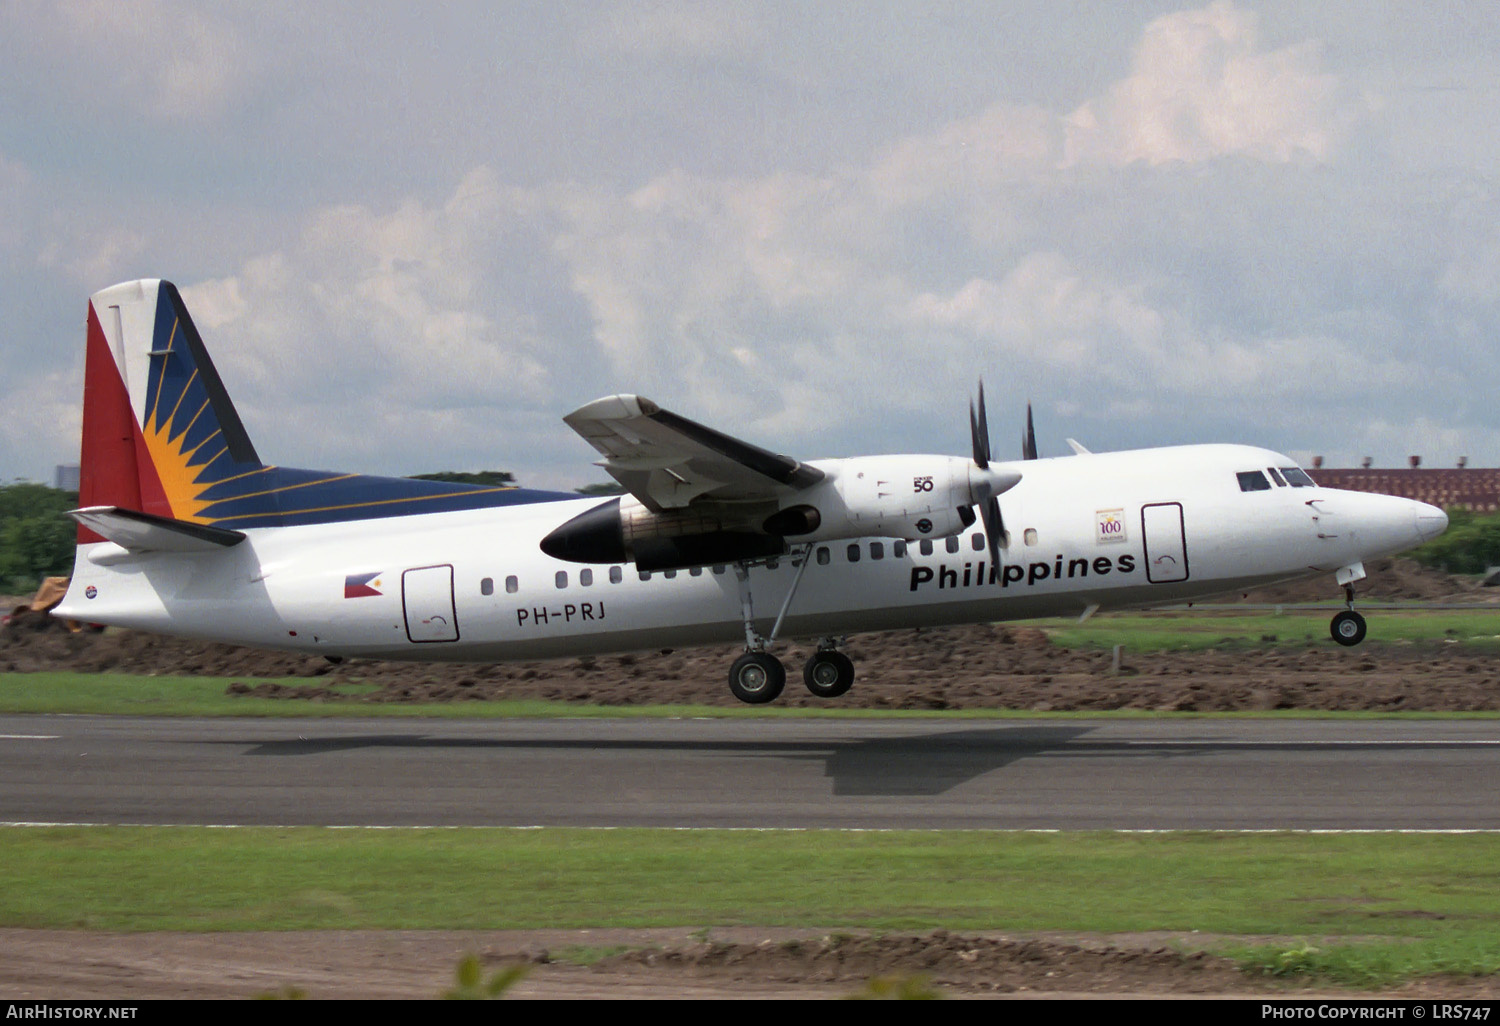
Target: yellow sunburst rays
(178, 467)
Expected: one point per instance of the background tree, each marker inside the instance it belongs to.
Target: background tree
(36, 538)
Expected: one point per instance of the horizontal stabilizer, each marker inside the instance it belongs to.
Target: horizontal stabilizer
(144, 532)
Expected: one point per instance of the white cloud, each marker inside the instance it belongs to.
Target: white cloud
(163, 58)
(372, 317)
(1201, 88)
(91, 253)
(1100, 256)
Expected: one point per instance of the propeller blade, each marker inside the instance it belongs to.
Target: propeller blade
(994, 532)
(1028, 440)
(983, 431)
(980, 459)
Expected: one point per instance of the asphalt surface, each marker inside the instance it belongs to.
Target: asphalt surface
(1060, 774)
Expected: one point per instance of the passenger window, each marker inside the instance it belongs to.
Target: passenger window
(925, 546)
(854, 552)
(512, 585)
(616, 575)
(1280, 481)
(823, 556)
(877, 550)
(952, 544)
(487, 586)
(1253, 481)
(898, 549)
(696, 571)
(1297, 477)
(586, 577)
(562, 578)
(720, 568)
(669, 574)
(644, 575)
(1029, 536)
(978, 541)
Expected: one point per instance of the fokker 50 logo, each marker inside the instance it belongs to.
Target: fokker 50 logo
(1110, 526)
(362, 585)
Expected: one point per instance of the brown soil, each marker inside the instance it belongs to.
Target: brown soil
(980, 666)
(663, 963)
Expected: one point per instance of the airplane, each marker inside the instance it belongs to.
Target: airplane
(182, 529)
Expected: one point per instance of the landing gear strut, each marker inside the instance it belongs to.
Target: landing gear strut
(1348, 627)
(757, 676)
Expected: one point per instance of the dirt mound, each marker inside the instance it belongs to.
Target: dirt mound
(944, 961)
(737, 962)
(979, 666)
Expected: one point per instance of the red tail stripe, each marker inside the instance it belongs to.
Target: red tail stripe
(115, 468)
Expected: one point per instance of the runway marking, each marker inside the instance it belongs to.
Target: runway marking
(1335, 743)
(31, 824)
(29, 737)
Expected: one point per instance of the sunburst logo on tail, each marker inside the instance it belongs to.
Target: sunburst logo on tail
(181, 432)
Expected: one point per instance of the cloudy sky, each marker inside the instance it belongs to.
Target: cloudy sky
(415, 235)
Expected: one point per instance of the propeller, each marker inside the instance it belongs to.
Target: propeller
(985, 484)
(1028, 440)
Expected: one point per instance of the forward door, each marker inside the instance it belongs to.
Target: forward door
(1166, 544)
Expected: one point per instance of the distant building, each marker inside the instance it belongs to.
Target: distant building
(65, 477)
(1476, 488)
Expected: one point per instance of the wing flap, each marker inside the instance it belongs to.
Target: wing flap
(668, 461)
(144, 532)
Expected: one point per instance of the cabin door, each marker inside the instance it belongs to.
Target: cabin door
(1166, 545)
(427, 599)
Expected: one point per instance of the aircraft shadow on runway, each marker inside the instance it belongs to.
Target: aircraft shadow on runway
(908, 765)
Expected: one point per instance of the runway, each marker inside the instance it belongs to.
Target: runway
(874, 774)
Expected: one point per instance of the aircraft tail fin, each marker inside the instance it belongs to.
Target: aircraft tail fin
(159, 429)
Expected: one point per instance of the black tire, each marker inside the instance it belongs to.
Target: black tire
(757, 678)
(828, 674)
(1347, 628)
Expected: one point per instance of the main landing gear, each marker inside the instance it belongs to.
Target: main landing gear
(757, 676)
(1348, 627)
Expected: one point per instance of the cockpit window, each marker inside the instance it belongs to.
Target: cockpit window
(1297, 477)
(1253, 481)
(1276, 476)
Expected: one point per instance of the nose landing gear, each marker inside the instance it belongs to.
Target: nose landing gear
(1348, 627)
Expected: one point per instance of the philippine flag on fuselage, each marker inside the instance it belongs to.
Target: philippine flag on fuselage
(362, 585)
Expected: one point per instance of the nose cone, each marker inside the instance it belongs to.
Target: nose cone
(1431, 521)
(1383, 525)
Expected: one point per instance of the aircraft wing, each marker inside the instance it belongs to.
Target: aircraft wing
(667, 461)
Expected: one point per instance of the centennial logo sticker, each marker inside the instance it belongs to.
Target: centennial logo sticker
(1109, 526)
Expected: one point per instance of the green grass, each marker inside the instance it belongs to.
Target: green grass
(1202, 629)
(1359, 909)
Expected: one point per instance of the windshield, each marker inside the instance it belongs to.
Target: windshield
(1297, 477)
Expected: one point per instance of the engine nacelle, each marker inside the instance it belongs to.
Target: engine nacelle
(894, 497)
(909, 497)
(623, 530)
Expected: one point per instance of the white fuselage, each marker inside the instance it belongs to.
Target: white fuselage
(1110, 530)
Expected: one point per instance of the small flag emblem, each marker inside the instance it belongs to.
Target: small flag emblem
(362, 585)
